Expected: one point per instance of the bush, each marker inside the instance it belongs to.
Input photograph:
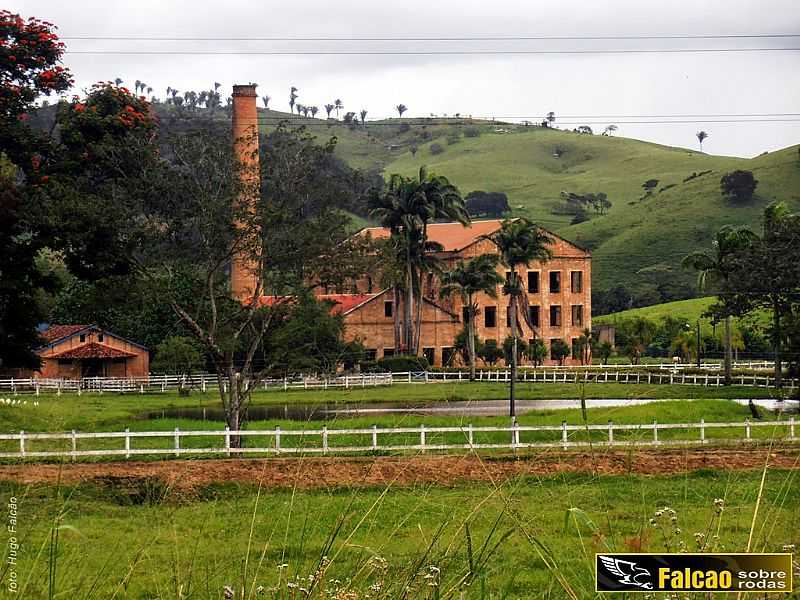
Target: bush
(436, 149)
(471, 132)
(395, 364)
(453, 138)
(403, 128)
(738, 185)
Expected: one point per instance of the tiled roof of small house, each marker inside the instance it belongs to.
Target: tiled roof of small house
(93, 350)
(57, 332)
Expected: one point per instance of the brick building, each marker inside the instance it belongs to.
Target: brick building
(559, 295)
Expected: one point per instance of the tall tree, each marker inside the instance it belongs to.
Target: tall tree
(406, 207)
(401, 108)
(314, 111)
(519, 242)
(265, 99)
(328, 109)
(715, 268)
(466, 280)
(701, 136)
(337, 104)
(363, 115)
(292, 98)
(551, 118)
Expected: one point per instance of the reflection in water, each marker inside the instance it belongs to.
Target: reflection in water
(483, 408)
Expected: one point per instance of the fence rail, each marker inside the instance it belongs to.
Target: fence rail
(393, 439)
(162, 383)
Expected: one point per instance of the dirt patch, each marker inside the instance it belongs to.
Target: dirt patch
(308, 473)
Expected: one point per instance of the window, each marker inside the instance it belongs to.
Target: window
(554, 341)
(100, 338)
(508, 276)
(533, 282)
(508, 317)
(533, 315)
(429, 285)
(370, 354)
(387, 308)
(576, 351)
(429, 354)
(447, 356)
(490, 316)
(387, 352)
(555, 316)
(576, 282)
(577, 315)
(555, 282)
(369, 284)
(465, 314)
(83, 337)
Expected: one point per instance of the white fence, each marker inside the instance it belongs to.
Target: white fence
(162, 383)
(374, 439)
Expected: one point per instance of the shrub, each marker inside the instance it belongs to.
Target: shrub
(394, 364)
(453, 138)
(403, 128)
(471, 132)
(436, 149)
(738, 185)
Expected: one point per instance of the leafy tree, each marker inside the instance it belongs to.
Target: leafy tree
(537, 352)
(519, 242)
(585, 129)
(177, 355)
(328, 109)
(479, 275)
(715, 269)
(292, 98)
(635, 335)
(701, 136)
(401, 108)
(265, 99)
(314, 110)
(605, 350)
(738, 185)
(405, 207)
(338, 105)
(550, 118)
(508, 350)
(559, 350)
(363, 115)
(462, 346)
(489, 204)
(349, 117)
(490, 353)
(610, 129)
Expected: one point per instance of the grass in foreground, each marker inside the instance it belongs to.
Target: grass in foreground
(526, 538)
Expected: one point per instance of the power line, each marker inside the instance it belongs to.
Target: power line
(419, 52)
(321, 123)
(488, 38)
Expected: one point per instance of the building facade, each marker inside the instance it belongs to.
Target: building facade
(558, 291)
(78, 351)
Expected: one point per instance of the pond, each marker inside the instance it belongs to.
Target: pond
(480, 408)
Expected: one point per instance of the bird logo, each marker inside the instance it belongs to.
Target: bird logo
(627, 573)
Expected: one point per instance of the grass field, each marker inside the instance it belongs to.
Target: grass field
(522, 538)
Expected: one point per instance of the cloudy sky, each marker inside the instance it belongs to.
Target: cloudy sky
(579, 86)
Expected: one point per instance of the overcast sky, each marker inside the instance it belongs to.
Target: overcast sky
(595, 88)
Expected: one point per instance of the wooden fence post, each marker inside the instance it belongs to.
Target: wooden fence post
(227, 440)
(655, 432)
(470, 436)
(177, 442)
(422, 437)
(127, 443)
(374, 437)
(702, 431)
(278, 440)
(791, 428)
(324, 439)
(22, 443)
(564, 436)
(747, 428)
(610, 432)
(74, 445)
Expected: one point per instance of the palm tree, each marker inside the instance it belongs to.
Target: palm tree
(118, 81)
(551, 118)
(405, 208)
(265, 99)
(701, 135)
(466, 280)
(401, 108)
(137, 84)
(292, 98)
(715, 267)
(337, 104)
(519, 243)
(363, 115)
(609, 129)
(149, 90)
(328, 109)
(314, 111)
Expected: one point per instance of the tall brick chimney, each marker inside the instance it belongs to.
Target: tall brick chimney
(244, 273)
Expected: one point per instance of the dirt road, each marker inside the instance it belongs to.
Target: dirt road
(307, 473)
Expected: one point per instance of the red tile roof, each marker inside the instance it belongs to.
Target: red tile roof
(57, 332)
(93, 350)
(452, 236)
